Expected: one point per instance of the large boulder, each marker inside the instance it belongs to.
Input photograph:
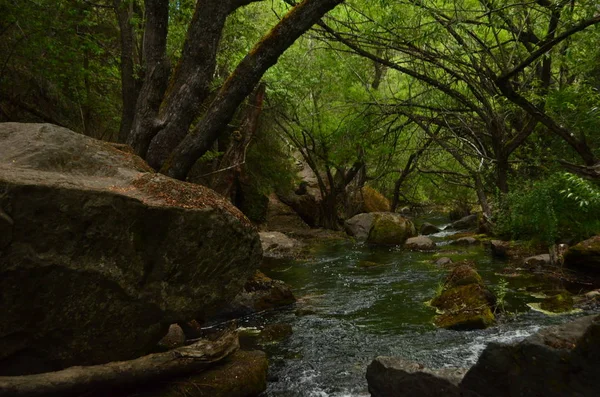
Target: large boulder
(557, 361)
(105, 254)
(585, 255)
(390, 229)
(380, 228)
(395, 377)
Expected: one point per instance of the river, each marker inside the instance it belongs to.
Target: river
(361, 313)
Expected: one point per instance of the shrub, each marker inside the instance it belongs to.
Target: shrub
(560, 207)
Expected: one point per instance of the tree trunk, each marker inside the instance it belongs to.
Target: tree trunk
(241, 83)
(145, 124)
(226, 180)
(155, 367)
(191, 84)
(129, 85)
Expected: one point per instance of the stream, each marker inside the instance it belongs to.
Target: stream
(361, 313)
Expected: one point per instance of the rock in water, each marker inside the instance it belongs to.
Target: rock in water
(380, 228)
(419, 243)
(468, 222)
(104, 254)
(395, 377)
(428, 228)
(557, 361)
(585, 255)
(466, 303)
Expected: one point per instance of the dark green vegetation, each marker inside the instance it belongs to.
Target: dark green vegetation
(469, 104)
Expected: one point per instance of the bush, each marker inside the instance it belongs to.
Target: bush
(560, 207)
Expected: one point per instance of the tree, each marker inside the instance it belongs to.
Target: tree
(167, 105)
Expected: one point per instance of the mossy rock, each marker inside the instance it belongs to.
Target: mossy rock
(390, 229)
(560, 302)
(466, 320)
(463, 274)
(373, 201)
(465, 307)
(585, 255)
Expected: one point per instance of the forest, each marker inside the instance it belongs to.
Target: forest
(456, 103)
(431, 110)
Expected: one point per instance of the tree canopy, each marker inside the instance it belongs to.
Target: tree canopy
(429, 101)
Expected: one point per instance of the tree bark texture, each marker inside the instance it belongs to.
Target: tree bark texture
(129, 85)
(145, 125)
(155, 367)
(190, 85)
(241, 83)
(226, 180)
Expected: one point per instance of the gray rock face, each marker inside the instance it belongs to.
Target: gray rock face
(420, 243)
(394, 377)
(359, 226)
(104, 253)
(468, 222)
(428, 228)
(538, 260)
(278, 245)
(557, 361)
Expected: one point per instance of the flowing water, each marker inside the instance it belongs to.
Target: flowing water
(361, 313)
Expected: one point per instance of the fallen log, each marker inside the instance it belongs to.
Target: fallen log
(122, 374)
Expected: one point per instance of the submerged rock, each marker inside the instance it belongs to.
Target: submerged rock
(444, 261)
(585, 255)
(104, 253)
(419, 243)
(380, 228)
(465, 241)
(558, 302)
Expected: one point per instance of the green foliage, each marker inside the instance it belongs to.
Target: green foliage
(500, 291)
(561, 206)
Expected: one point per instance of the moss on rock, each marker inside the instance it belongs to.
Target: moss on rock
(560, 302)
(390, 229)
